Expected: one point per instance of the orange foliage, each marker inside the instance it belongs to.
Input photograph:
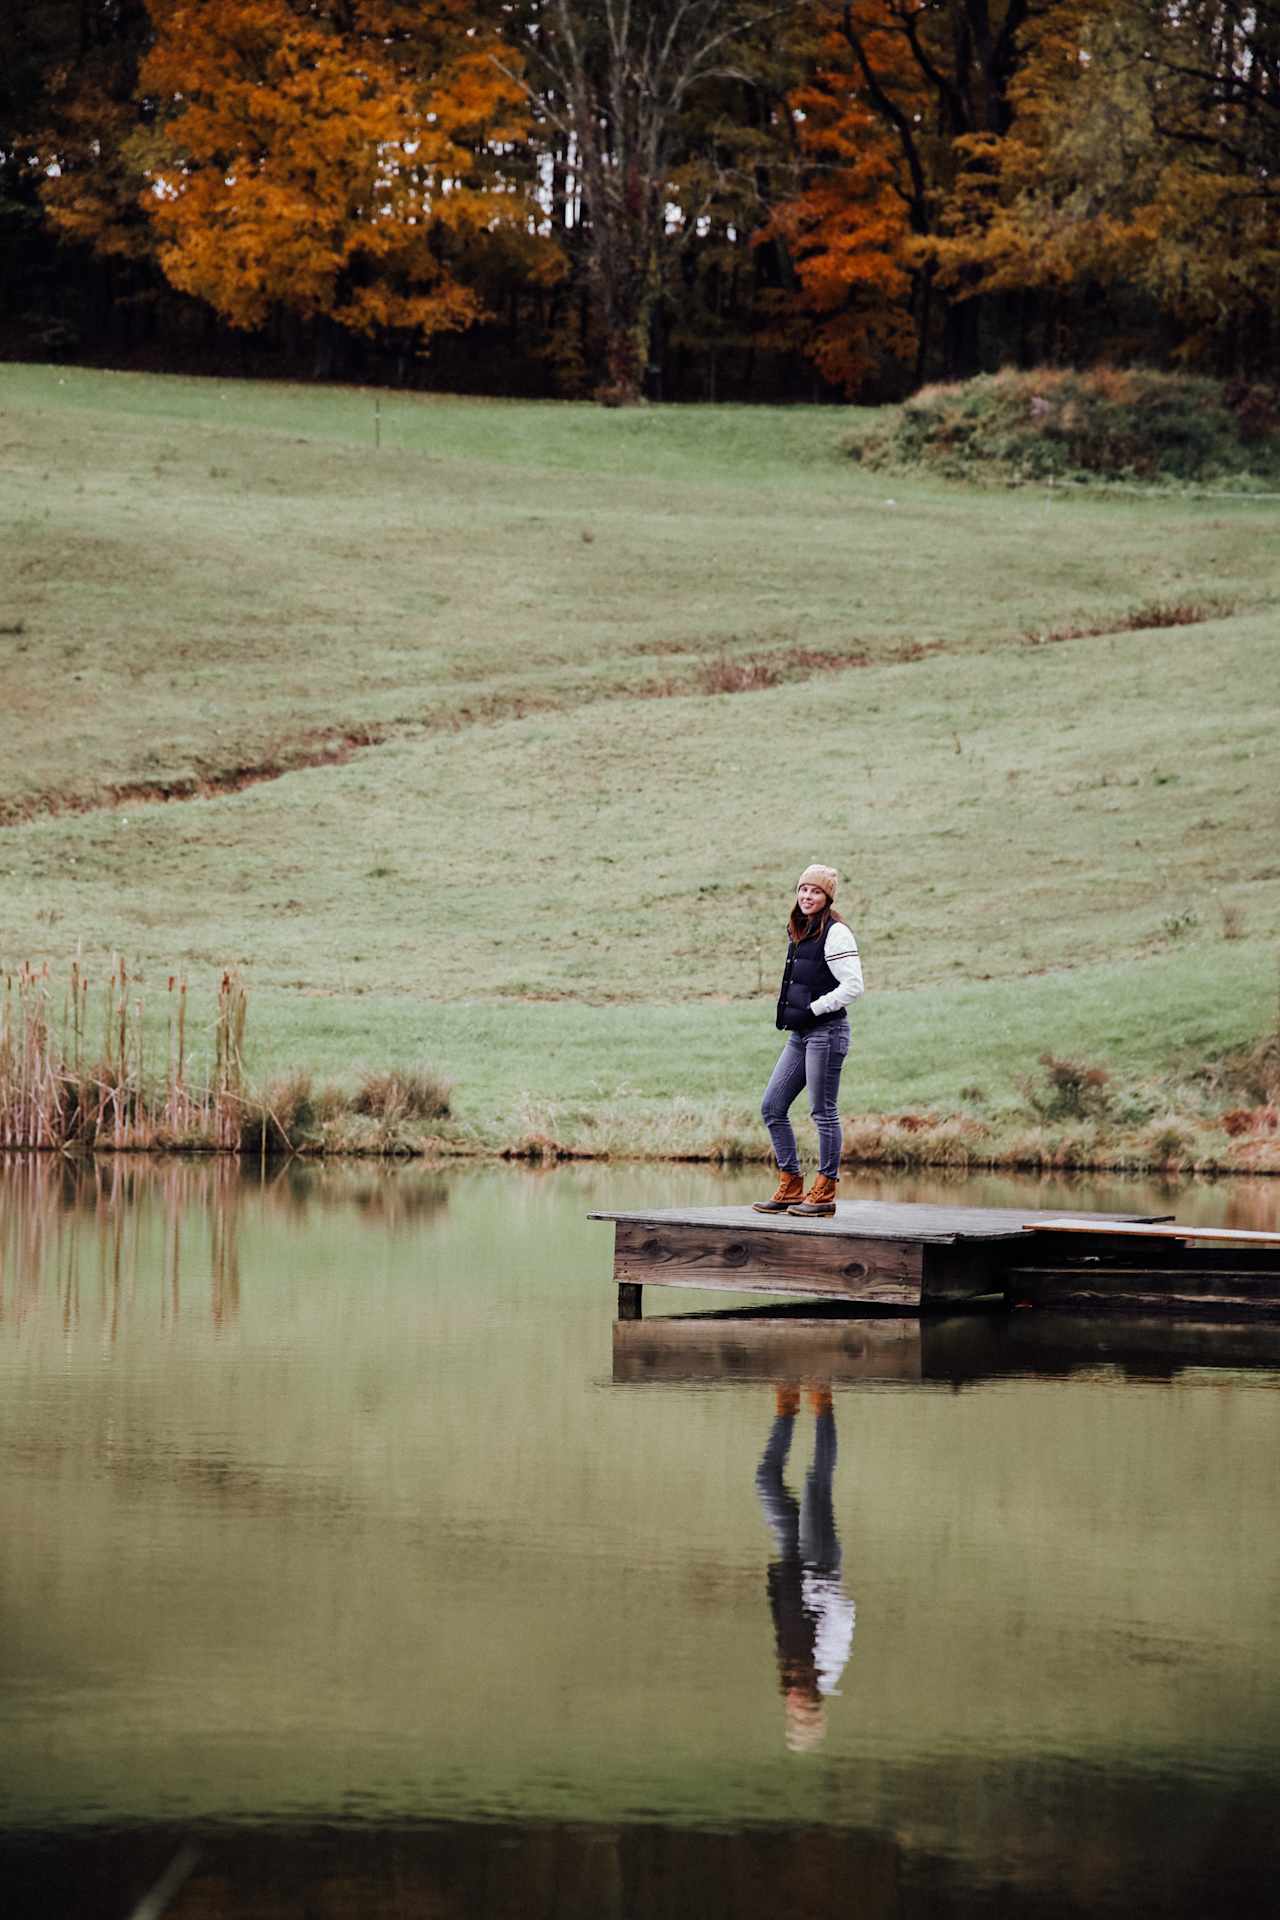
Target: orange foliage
(325, 159)
(848, 227)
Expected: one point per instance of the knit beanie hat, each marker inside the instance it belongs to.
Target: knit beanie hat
(825, 877)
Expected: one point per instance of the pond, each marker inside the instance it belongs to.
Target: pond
(348, 1571)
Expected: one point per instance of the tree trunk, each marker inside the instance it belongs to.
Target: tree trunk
(626, 273)
(960, 339)
(924, 285)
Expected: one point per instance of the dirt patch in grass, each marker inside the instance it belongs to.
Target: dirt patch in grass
(328, 747)
(771, 670)
(755, 673)
(1159, 616)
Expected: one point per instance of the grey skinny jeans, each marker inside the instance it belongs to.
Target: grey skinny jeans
(813, 1060)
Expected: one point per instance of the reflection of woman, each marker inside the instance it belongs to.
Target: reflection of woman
(813, 1617)
(823, 976)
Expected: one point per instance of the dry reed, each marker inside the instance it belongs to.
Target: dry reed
(60, 1089)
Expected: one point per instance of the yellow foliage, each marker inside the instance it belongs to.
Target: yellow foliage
(325, 160)
(1127, 162)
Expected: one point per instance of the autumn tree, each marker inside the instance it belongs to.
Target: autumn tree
(328, 157)
(74, 143)
(937, 73)
(898, 89)
(1143, 158)
(1210, 237)
(622, 84)
(846, 220)
(74, 244)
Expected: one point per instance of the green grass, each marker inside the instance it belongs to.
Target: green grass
(562, 875)
(912, 1050)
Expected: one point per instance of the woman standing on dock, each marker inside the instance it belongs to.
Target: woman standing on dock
(823, 975)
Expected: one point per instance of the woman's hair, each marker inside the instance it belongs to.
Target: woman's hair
(811, 926)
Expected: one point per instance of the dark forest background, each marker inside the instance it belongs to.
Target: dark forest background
(686, 199)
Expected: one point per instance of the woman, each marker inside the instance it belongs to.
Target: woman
(823, 975)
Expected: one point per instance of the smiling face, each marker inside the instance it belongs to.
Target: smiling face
(810, 899)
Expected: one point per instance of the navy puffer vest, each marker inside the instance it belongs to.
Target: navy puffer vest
(805, 978)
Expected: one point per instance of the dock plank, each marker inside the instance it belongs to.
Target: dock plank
(878, 1219)
(1177, 1289)
(1153, 1230)
(747, 1259)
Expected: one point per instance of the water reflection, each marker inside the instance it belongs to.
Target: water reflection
(813, 1616)
(840, 1346)
(296, 1471)
(121, 1236)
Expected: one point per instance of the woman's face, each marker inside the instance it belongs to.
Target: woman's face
(810, 900)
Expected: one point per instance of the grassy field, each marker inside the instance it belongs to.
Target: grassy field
(501, 743)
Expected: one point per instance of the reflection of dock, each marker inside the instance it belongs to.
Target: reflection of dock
(841, 1349)
(893, 1258)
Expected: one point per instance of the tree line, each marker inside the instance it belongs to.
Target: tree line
(678, 198)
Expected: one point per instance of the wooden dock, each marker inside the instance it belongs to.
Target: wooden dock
(891, 1258)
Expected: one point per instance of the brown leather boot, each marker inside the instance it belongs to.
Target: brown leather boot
(790, 1189)
(821, 1198)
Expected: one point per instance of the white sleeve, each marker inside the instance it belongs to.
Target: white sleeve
(826, 1601)
(840, 951)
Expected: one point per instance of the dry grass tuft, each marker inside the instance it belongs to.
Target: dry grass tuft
(1069, 1090)
(755, 672)
(60, 1089)
(737, 676)
(917, 1140)
(397, 1094)
(1238, 1121)
(1251, 1075)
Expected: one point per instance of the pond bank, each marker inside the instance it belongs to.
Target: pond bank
(947, 1143)
(143, 1085)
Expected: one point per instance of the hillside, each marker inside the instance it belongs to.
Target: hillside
(570, 695)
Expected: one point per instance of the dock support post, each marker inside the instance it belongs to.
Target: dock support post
(629, 1307)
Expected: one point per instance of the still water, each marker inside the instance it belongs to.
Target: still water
(348, 1569)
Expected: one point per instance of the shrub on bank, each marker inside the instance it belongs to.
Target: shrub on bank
(1105, 423)
(404, 1093)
